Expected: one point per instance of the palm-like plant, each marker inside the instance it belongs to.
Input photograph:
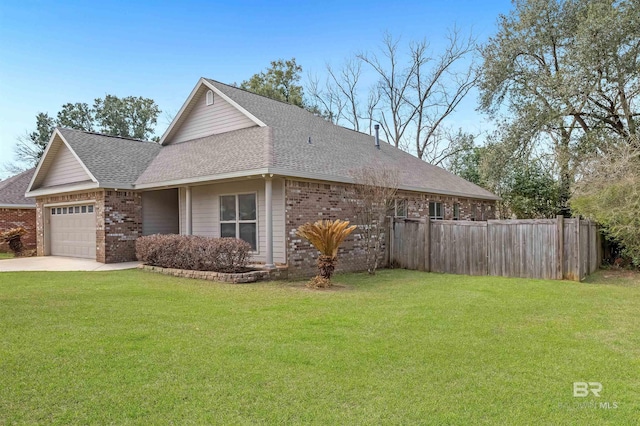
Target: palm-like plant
(326, 236)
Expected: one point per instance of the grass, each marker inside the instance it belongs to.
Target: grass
(6, 256)
(130, 347)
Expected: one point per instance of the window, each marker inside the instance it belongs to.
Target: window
(90, 209)
(84, 209)
(456, 211)
(64, 210)
(210, 97)
(435, 210)
(401, 208)
(53, 211)
(239, 218)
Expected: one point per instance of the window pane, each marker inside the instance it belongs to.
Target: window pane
(53, 211)
(432, 210)
(248, 233)
(247, 206)
(227, 230)
(84, 209)
(77, 209)
(228, 207)
(58, 210)
(90, 208)
(64, 210)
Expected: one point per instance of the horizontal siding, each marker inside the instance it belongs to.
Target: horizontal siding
(206, 212)
(160, 212)
(64, 169)
(205, 120)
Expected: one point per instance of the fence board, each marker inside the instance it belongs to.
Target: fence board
(542, 248)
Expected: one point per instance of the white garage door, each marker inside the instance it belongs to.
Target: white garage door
(73, 231)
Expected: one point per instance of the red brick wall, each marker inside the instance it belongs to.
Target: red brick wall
(122, 225)
(13, 218)
(312, 201)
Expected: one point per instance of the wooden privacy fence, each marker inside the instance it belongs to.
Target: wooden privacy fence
(541, 248)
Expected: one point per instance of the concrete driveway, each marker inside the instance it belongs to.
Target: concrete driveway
(59, 263)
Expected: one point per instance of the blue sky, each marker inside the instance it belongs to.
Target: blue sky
(74, 51)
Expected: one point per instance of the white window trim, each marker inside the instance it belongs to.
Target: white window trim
(436, 216)
(209, 97)
(395, 207)
(238, 221)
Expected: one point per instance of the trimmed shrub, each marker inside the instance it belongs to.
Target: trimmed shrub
(193, 252)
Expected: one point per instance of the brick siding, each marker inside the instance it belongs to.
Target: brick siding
(13, 218)
(312, 201)
(122, 225)
(118, 222)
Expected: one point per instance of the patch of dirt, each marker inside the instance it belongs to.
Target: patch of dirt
(624, 277)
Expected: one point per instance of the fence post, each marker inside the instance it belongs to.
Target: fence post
(392, 240)
(578, 248)
(560, 247)
(427, 245)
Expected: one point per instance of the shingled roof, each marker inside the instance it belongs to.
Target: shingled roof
(111, 159)
(335, 152)
(287, 140)
(12, 191)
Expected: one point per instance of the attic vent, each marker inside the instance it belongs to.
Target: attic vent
(210, 97)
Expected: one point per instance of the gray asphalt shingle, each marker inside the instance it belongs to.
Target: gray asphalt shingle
(12, 189)
(111, 159)
(336, 151)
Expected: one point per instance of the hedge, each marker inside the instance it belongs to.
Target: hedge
(193, 252)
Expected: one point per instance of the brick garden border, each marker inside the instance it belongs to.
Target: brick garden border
(239, 278)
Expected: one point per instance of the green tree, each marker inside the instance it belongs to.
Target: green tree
(132, 117)
(279, 82)
(608, 192)
(79, 116)
(564, 71)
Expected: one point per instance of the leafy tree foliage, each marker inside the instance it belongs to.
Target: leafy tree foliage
(608, 192)
(567, 73)
(131, 116)
(279, 82)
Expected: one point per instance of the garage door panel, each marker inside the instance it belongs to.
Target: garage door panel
(73, 233)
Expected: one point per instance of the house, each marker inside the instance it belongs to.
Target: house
(231, 164)
(16, 210)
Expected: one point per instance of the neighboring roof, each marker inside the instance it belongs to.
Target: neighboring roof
(12, 191)
(112, 160)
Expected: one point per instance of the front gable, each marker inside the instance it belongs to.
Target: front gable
(60, 167)
(207, 112)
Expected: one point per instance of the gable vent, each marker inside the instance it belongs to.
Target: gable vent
(209, 97)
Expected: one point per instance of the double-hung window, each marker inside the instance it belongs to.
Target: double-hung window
(239, 218)
(401, 208)
(435, 210)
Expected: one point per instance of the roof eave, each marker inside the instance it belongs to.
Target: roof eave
(40, 192)
(303, 175)
(17, 206)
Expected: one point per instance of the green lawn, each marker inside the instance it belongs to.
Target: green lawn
(131, 347)
(6, 256)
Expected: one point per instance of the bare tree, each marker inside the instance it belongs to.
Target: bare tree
(416, 98)
(437, 91)
(394, 86)
(372, 198)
